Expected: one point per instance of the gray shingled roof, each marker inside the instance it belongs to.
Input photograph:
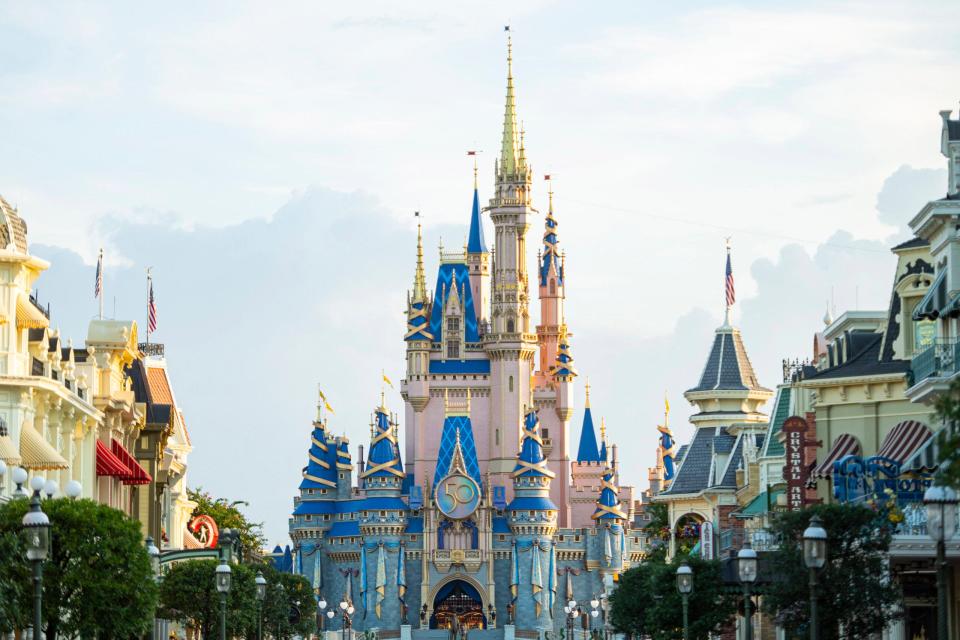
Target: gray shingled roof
(695, 470)
(911, 243)
(864, 362)
(780, 414)
(728, 366)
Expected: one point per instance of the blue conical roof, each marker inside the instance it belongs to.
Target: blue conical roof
(457, 428)
(608, 504)
(384, 457)
(530, 460)
(475, 243)
(588, 452)
(321, 469)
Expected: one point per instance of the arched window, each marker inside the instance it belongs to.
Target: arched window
(553, 286)
(510, 325)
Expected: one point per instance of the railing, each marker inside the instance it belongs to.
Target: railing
(760, 539)
(151, 348)
(915, 520)
(942, 358)
(35, 302)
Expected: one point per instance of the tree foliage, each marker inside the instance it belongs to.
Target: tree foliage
(855, 592)
(188, 594)
(228, 516)
(948, 411)
(646, 601)
(97, 581)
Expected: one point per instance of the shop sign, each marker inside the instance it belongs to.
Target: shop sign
(795, 469)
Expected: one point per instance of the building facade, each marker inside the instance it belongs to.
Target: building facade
(485, 514)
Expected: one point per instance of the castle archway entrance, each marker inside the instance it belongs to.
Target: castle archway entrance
(458, 606)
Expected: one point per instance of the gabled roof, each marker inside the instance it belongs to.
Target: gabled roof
(455, 426)
(864, 361)
(454, 274)
(728, 368)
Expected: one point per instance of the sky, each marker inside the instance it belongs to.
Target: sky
(266, 160)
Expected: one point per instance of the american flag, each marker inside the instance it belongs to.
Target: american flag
(98, 286)
(731, 293)
(151, 311)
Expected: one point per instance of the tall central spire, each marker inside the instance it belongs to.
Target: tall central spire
(510, 146)
(419, 278)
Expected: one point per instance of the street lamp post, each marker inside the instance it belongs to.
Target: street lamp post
(941, 503)
(685, 586)
(154, 555)
(747, 570)
(223, 586)
(321, 608)
(814, 557)
(19, 477)
(594, 612)
(36, 531)
(572, 611)
(346, 610)
(261, 583)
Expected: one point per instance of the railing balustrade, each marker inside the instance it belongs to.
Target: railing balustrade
(940, 359)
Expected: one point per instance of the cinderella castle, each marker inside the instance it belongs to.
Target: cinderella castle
(485, 520)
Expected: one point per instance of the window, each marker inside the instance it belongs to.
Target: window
(308, 518)
(924, 333)
(510, 384)
(326, 517)
(496, 436)
(383, 514)
(501, 537)
(453, 349)
(453, 325)
(546, 433)
(510, 325)
(553, 286)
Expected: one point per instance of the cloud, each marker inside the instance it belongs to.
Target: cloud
(905, 191)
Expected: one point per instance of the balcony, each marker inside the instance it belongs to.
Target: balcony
(933, 368)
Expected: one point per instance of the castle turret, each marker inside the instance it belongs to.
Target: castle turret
(415, 387)
(588, 451)
(321, 470)
(550, 278)
(533, 521)
(383, 474)
(509, 343)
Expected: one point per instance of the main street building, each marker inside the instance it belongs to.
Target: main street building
(484, 517)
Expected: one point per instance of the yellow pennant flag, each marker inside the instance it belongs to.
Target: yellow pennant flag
(326, 405)
(386, 379)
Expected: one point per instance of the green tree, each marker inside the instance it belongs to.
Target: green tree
(12, 616)
(855, 590)
(228, 516)
(646, 601)
(948, 412)
(97, 581)
(189, 595)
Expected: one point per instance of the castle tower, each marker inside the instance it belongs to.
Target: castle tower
(383, 474)
(551, 293)
(509, 343)
(610, 519)
(320, 474)
(416, 386)
(478, 258)
(533, 521)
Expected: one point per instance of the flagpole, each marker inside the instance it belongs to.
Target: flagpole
(149, 282)
(101, 282)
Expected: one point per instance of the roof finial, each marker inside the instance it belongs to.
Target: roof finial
(587, 403)
(603, 429)
(828, 317)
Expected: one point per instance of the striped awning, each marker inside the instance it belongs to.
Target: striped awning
(109, 464)
(137, 475)
(930, 306)
(845, 445)
(9, 451)
(28, 316)
(926, 459)
(903, 440)
(37, 453)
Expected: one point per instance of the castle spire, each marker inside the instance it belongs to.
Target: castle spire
(550, 256)
(587, 451)
(418, 304)
(509, 147)
(419, 278)
(475, 242)
(603, 440)
(608, 503)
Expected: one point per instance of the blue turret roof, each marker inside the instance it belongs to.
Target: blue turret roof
(530, 460)
(417, 327)
(603, 450)
(564, 366)
(551, 254)
(608, 504)
(588, 452)
(448, 276)
(475, 243)
(454, 427)
(321, 469)
(383, 459)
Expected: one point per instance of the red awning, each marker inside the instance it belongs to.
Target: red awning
(109, 464)
(845, 445)
(138, 475)
(903, 440)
